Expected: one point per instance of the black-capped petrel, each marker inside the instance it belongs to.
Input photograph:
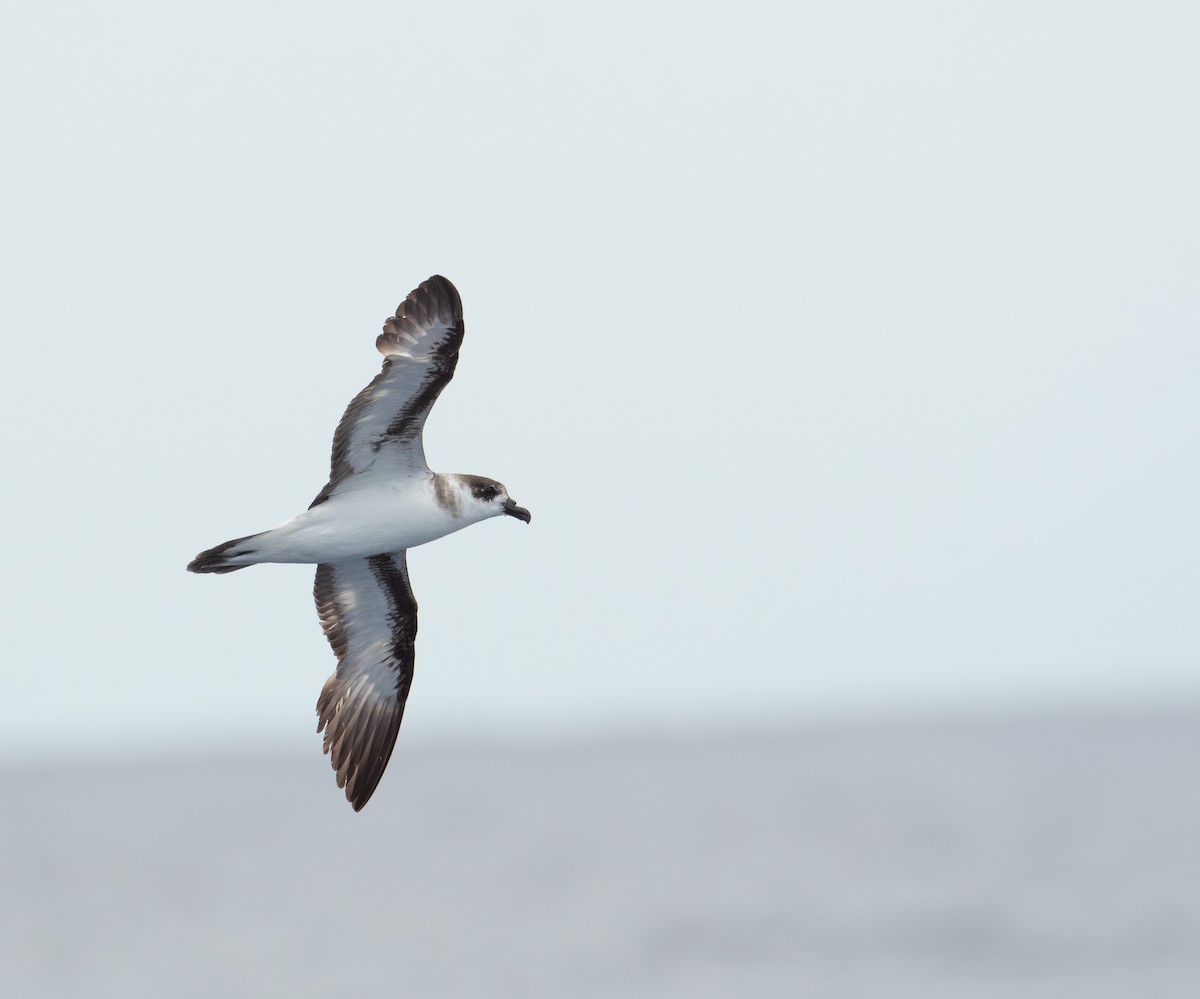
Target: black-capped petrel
(381, 500)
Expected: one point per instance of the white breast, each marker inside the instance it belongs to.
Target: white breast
(357, 522)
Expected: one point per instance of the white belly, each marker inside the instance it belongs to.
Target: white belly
(358, 523)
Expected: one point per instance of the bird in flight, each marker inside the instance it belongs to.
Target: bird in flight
(381, 500)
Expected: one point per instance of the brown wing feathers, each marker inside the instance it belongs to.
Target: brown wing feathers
(420, 343)
(369, 615)
(432, 305)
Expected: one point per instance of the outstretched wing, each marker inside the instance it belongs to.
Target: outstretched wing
(369, 615)
(381, 428)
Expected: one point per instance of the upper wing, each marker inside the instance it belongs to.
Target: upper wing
(369, 615)
(382, 426)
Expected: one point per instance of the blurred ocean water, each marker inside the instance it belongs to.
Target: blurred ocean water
(1043, 858)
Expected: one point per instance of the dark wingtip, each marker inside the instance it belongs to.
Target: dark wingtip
(437, 279)
(360, 788)
(435, 301)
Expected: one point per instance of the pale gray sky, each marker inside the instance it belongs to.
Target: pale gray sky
(847, 355)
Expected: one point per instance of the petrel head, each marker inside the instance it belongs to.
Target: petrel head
(491, 499)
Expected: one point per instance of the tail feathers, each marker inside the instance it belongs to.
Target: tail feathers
(220, 559)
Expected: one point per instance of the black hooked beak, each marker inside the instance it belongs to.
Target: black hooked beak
(512, 510)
